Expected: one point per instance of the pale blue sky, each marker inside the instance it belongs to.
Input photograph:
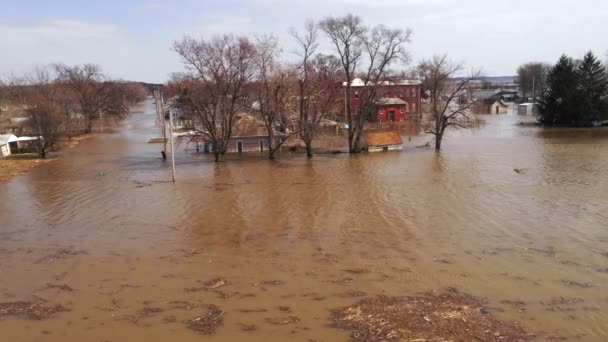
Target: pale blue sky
(132, 39)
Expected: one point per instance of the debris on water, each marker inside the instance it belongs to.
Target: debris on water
(343, 281)
(283, 320)
(520, 171)
(31, 310)
(181, 305)
(351, 294)
(101, 174)
(215, 283)
(209, 285)
(577, 284)
(566, 301)
(209, 322)
(122, 287)
(284, 308)
(357, 271)
(443, 261)
(433, 316)
(61, 287)
(252, 310)
(273, 283)
(60, 254)
(248, 327)
(518, 305)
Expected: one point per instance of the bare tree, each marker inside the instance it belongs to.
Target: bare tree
(376, 50)
(45, 120)
(532, 78)
(272, 91)
(213, 92)
(345, 35)
(94, 96)
(317, 79)
(446, 109)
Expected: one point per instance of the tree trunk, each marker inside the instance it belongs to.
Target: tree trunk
(217, 156)
(42, 153)
(438, 139)
(308, 149)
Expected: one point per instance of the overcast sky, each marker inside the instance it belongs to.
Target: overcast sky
(131, 39)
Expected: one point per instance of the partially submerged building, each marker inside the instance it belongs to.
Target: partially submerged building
(490, 106)
(248, 135)
(382, 140)
(396, 100)
(11, 144)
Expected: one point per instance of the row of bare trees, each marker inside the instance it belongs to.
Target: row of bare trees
(227, 75)
(61, 100)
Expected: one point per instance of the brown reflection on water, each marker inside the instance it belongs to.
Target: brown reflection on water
(310, 235)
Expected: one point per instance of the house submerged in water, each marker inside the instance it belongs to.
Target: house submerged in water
(248, 135)
(382, 140)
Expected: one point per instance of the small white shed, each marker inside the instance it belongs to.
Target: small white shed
(526, 109)
(5, 148)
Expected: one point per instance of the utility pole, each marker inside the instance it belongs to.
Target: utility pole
(533, 89)
(172, 146)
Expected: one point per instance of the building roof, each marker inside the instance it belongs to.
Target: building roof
(382, 138)
(7, 138)
(491, 101)
(484, 94)
(357, 82)
(385, 101)
(249, 126)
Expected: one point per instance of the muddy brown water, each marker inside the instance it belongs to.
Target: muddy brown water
(295, 238)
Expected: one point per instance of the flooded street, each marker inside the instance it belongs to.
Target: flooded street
(515, 214)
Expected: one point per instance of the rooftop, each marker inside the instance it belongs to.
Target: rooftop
(357, 82)
(386, 101)
(383, 138)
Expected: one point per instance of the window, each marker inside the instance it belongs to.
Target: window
(413, 92)
(402, 109)
(407, 107)
(356, 94)
(413, 107)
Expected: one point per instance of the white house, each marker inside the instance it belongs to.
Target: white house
(5, 148)
(11, 144)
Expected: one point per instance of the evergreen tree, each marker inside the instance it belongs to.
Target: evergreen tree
(593, 83)
(560, 106)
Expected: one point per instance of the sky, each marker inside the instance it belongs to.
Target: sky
(132, 39)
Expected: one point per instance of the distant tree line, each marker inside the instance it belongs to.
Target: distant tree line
(228, 74)
(64, 101)
(576, 93)
(572, 92)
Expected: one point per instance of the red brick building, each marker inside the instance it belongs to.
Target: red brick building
(396, 100)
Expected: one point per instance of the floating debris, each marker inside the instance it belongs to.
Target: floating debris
(273, 283)
(252, 310)
(577, 284)
(283, 320)
(60, 254)
(209, 322)
(434, 316)
(248, 327)
(351, 294)
(61, 287)
(209, 285)
(565, 301)
(357, 271)
(31, 310)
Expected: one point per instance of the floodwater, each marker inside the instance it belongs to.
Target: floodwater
(310, 235)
